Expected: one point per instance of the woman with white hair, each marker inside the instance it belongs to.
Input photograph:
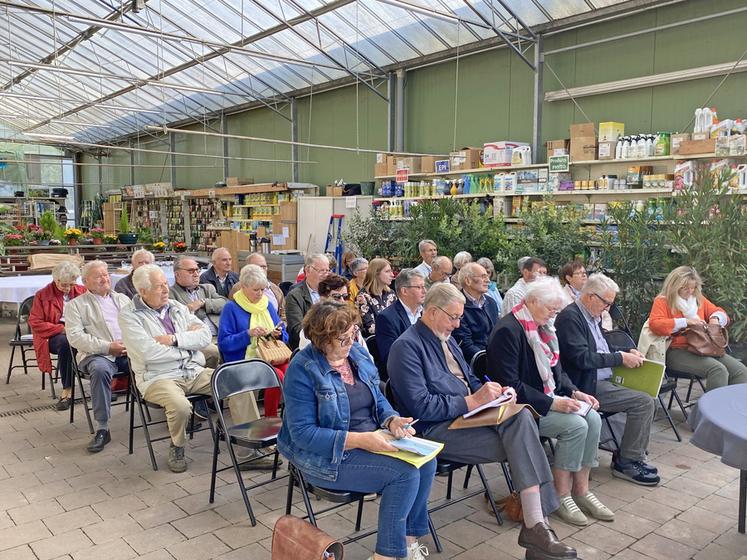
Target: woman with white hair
(493, 292)
(247, 318)
(48, 327)
(523, 353)
(358, 268)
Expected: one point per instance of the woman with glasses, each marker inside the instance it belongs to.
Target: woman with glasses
(247, 318)
(523, 354)
(358, 268)
(573, 275)
(334, 413)
(376, 293)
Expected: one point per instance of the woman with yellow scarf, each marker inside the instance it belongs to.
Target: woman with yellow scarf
(249, 316)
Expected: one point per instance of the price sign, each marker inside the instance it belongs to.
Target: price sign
(403, 174)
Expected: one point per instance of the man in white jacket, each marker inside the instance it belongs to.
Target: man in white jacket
(92, 328)
(163, 340)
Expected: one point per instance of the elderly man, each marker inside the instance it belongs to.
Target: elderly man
(304, 295)
(220, 274)
(431, 381)
(480, 311)
(398, 317)
(139, 258)
(588, 360)
(92, 328)
(531, 268)
(440, 273)
(163, 340)
(428, 251)
(272, 291)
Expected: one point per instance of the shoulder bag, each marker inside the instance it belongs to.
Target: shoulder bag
(296, 539)
(272, 350)
(707, 340)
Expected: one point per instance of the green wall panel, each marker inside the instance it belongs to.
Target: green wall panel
(260, 123)
(194, 171)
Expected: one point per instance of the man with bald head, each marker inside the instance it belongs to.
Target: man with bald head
(272, 291)
(304, 295)
(139, 258)
(480, 311)
(220, 274)
(441, 270)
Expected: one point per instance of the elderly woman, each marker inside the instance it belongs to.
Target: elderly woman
(574, 276)
(375, 294)
(681, 305)
(48, 327)
(358, 268)
(334, 411)
(523, 353)
(249, 316)
(493, 292)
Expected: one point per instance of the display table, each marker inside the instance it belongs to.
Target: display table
(720, 427)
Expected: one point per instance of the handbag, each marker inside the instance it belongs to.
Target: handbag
(272, 350)
(511, 507)
(709, 340)
(296, 539)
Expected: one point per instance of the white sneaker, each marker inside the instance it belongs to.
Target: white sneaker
(569, 512)
(417, 551)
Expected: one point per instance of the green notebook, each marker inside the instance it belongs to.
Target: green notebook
(646, 378)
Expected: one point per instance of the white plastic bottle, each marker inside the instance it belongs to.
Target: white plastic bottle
(707, 122)
(641, 151)
(618, 148)
(625, 148)
(698, 127)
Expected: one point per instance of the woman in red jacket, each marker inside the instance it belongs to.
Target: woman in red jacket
(680, 305)
(48, 327)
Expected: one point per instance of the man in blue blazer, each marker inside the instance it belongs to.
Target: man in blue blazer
(480, 311)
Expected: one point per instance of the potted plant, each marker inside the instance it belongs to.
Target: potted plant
(126, 235)
(179, 246)
(13, 240)
(110, 239)
(49, 225)
(73, 235)
(159, 246)
(97, 234)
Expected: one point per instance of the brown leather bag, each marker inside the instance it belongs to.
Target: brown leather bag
(511, 507)
(295, 539)
(709, 340)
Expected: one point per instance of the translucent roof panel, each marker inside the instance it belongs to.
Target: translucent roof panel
(98, 70)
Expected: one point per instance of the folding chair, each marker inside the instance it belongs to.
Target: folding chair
(78, 377)
(373, 349)
(230, 380)
(146, 421)
(22, 339)
(285, 287)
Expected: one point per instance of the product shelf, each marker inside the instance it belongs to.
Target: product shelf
(469, 171)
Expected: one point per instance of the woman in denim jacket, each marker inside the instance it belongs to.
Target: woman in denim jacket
(333, 411)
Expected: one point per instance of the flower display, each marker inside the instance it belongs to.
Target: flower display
(179, 246)
(73, 233)
(159, 246)
(97, 233)
(13, 239)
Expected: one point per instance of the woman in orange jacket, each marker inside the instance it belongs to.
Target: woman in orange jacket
(682, 305)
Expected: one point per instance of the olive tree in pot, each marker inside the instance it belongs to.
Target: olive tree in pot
(126, 235)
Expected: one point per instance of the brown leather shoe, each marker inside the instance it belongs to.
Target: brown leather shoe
(542, 539)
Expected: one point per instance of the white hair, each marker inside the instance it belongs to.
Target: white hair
(251, 256)
(141, 252)
(313, 257)
(66, 272)
(546, 290)
(142, 278)
(462, 258)
(252, 276)
(441, 295)
(469, 270)
(90, 266)
(598, 284)
(216, 252)
(424, 242)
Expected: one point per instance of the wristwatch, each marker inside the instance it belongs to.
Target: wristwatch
(173, 340)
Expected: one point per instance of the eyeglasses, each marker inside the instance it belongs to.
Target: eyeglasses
(606, 303)
(481, 276)
(417, 287)
(452, 318)
(580, 273)
(339, 297)
(190, 270)
(552, 311)
(347, 340)
(320, 270)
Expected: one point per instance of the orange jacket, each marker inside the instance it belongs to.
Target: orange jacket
(661, 319)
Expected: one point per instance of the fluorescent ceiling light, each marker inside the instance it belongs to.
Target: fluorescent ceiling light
(83, 124)
(60, 137)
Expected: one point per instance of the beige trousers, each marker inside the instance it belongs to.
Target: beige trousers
(171, 395)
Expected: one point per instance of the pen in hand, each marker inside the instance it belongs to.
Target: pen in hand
(411, 424)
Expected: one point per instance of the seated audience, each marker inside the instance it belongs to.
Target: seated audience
(333, 440)
(272, 291)
(428, 251)
(523, 354)
(480, 312)
(358, 268)
(163, 341)
(375, 294)
(531, 269)
(300, 299)
(680, 305)
(139, 258)
(588, 360)
(92, 328)
(441, 271)
(347, 258)
(202, 300)
(398, 317)
(460, 259)
(220, 274)
(493, 292)
(431, 381)
(247, 318)
(48, 329)
(573, 276)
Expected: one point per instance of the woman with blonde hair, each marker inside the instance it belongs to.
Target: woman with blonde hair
(682, 305)
(376, 294)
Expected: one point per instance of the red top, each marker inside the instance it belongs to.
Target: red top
(661, 319)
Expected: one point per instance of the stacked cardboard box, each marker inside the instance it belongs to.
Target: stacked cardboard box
(583, 142)
(285, 227)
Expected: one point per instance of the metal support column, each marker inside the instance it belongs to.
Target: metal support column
(390, 125)
(172, 149)
(539, 62)
(101, 179)
(224, 130)
(294, 138)
(399, 112)
(132, 163)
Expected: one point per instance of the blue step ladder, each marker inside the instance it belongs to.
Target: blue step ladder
(335, 218)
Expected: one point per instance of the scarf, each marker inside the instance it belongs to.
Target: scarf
(259, 316)
(544, 344)
(689, 307)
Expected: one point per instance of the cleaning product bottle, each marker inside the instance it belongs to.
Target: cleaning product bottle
(640, 151)
(698, 127)
(625, 148)
(649, 145)
(618, 148)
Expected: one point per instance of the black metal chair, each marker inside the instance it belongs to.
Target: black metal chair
(373, 349)
(285, 287)
(229, 381)
(147, 422)
(22, 339)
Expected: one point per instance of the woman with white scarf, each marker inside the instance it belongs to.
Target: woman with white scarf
(681, 305)
(523, 354)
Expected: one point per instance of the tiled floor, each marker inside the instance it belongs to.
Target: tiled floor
(58, 501)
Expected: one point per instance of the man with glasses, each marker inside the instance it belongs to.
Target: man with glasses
(431, 381)
(440, 273)
(573, 275)
(398, 317)
(300, 299)
(531, 269)
(272, 291)
(480, 312)
(202, 300)
(588, 360)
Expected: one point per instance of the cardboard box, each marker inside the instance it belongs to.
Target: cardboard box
(466, 158)
(289, 211)
(237, 181)
(583, 148)
(583, 130)
(380, 167)
(738, 145)
(558, 147)
(428, 164)
(676, 140)
(606, 150)
(692, 147)
(333, 191)
(498, 154)
(412, 163)
(611, 131)
(283, 235)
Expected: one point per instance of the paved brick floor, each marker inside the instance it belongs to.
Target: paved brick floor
(57, 501)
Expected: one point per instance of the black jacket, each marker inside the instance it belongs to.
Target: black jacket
(297, 304)
(475, 327)
(511, 362)
(390, 324)
(578, 350)
(210, 277)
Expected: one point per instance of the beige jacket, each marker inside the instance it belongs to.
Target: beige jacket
(86, 328)
(650, 345)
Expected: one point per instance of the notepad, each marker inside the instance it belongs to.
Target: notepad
(504, 398)
(584, 410)
(646, 378)
(413, 450)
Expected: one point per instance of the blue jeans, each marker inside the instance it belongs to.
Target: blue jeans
(404, 495)
(101, 371)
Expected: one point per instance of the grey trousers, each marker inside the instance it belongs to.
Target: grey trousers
(718, 372)
(639, 408)
(101, 372)
(516, 441)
